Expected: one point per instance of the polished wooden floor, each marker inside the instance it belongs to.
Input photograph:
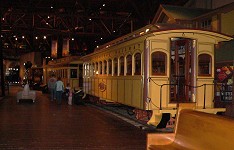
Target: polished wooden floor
(46, 125)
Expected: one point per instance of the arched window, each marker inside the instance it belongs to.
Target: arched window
(129, 64)
(158, 62)
(105, 67)
(100, 67)
(204, 65)
(91, 69)
(87, 69)
(94, 72)
(137, 58)
(121, 66)
(110, 66)
(115, 67)
(96, 68)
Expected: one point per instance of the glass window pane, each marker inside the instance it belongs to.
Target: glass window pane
(121, 62)
(129, 64)
(110, 66)
(73, 73)
(96, 68)
(105, 67)
(100, 69)
(115, 66)
(137, 64)
(158, 63)
(204, 64)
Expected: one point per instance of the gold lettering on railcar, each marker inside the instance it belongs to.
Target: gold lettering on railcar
(102, 86)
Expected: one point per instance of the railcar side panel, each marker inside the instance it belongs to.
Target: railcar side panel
(128, 91)
(205, 92)
(102, 87)
(121, 89)
(159, 44)
(109, 89)
(114, 89)
(156, 91)
(137, 90)
(92, 86)
(96, 87)
(205, 47)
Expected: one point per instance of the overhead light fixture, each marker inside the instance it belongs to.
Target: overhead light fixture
(36, 37)
(72, 39)
(22, 37)
(44, 37)
(103, 5)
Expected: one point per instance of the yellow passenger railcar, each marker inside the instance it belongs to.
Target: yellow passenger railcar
(70, 69)
(155, 68)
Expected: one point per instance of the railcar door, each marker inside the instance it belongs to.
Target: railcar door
(180, 78)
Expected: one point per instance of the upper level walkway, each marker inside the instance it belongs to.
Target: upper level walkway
(46, 125)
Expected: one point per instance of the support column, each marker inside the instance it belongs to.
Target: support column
(1, 58)
(193, 70)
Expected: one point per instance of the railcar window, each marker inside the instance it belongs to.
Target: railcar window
(93, 69)
(110, 66)
(129, 64)
(137, 58)
(87, 70)
(121, 63)
(204, 65)
(96, 68)
(115, 66)
(90, 70)
(158, 63)
(85, 73)
(105, 67)
(73, 73)
(100, 68)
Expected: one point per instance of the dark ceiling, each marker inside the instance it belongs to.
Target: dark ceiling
(87, 23)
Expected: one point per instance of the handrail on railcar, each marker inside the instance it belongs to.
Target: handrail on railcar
(161, 85)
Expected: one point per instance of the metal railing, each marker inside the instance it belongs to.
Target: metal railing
(161, 86)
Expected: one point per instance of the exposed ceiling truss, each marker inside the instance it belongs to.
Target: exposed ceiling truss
(24, 23)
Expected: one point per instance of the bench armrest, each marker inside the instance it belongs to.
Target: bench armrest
(160, 138)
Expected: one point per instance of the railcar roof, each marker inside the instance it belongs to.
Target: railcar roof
(147, 29)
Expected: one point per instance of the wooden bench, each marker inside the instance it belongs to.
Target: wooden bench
(195, 131)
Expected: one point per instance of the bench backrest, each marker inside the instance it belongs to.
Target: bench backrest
(199, 130)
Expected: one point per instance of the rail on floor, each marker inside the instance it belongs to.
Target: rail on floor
(195, 130)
